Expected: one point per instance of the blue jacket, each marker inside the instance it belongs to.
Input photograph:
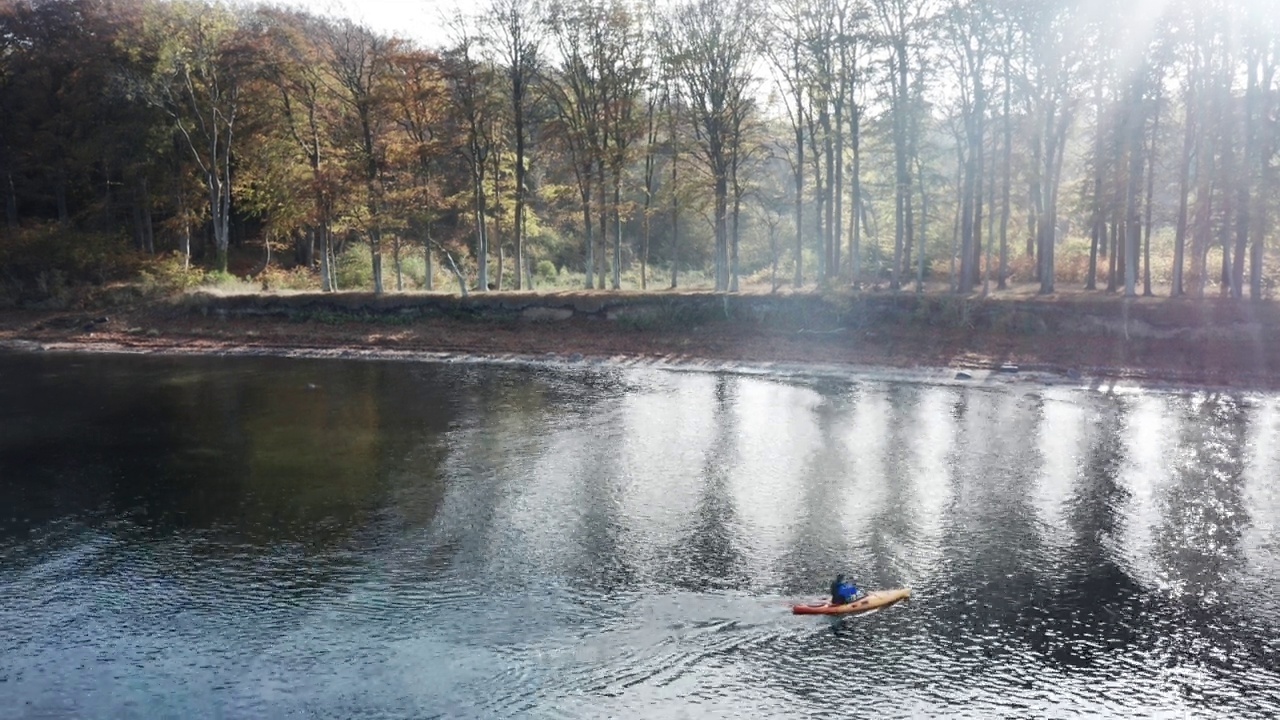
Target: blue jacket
(844, 593)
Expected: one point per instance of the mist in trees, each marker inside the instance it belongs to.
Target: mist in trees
(958, 145)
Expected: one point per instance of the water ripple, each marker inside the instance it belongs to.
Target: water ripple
(457, 541)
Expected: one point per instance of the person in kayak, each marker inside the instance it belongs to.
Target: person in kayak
(843, 593)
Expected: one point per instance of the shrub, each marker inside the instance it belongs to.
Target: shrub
(546, 270)
(167, 274)
(45, 262)
(226, 283)
(354, 268)
(295, 278)
(412, 266)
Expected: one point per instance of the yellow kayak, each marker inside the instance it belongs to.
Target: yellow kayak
(870, 601)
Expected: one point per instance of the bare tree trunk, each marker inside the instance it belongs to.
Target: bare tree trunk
(519, 228)
(1098, 230)
(1007, 179)
(1150, 199)
(1260, 234)
(1184, 191)
(855, 202)
(1227, 152)
(721, 209)
(1244, 181)
(482, 232)
(429, 278)
(326, 257)
(901, 201)
(219, 201)
(980, 166)
(494, 237)
(10, 202)
(375, 247)
(830, 238)
(819, 198)
(644, 252)
(457, 273)
(967, 272)
(1115, 253)
(773, 255)
(521, 172)
(395, 258)
(675, 208)
(991, 221)
(1035, 207)
(733, 244)
(502, 263)
(1055, 150)
(909, 225)
(602, 258)
(617, 227)
(837, 213)
(1133, 218)
(185, 244)
(1203, 223)
(953, 279)
(650, 167)
(1266, 148)
(590, 241)
(799, 176)
(924, 226)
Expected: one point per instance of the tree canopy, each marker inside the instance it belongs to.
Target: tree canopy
(850, 143)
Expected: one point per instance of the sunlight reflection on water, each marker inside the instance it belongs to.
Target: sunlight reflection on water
(204, 537)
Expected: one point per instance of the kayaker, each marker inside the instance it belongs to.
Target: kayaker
(843, 593)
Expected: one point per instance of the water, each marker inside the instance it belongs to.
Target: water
(267, 538)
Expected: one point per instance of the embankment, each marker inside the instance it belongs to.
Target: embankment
(1107, 316)
(1203, 342)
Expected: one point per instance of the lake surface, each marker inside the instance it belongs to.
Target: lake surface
(257, 538)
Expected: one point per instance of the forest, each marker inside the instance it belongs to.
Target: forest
(945, 145)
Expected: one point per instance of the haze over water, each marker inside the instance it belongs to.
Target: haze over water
(249, 538)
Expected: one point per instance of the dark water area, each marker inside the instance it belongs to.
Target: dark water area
(254, 538)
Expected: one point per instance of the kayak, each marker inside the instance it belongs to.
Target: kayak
(870, 601)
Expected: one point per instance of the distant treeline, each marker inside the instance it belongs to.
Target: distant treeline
(839, 142)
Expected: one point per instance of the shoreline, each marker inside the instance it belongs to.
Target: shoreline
(896, 349)
(787, 370)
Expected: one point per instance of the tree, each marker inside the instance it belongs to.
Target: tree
(298, 71)
(1054, 107)
(473, 84)
(196, 126)
(898, 23)
(203, 68)
(710, 49)
(784, 43)
(968, 25)
(622, 53)
(1260, 53)
(516, 25)
(422, 98)
(1007, 49)
(653, 104)
(360, 64)
(574, 88)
